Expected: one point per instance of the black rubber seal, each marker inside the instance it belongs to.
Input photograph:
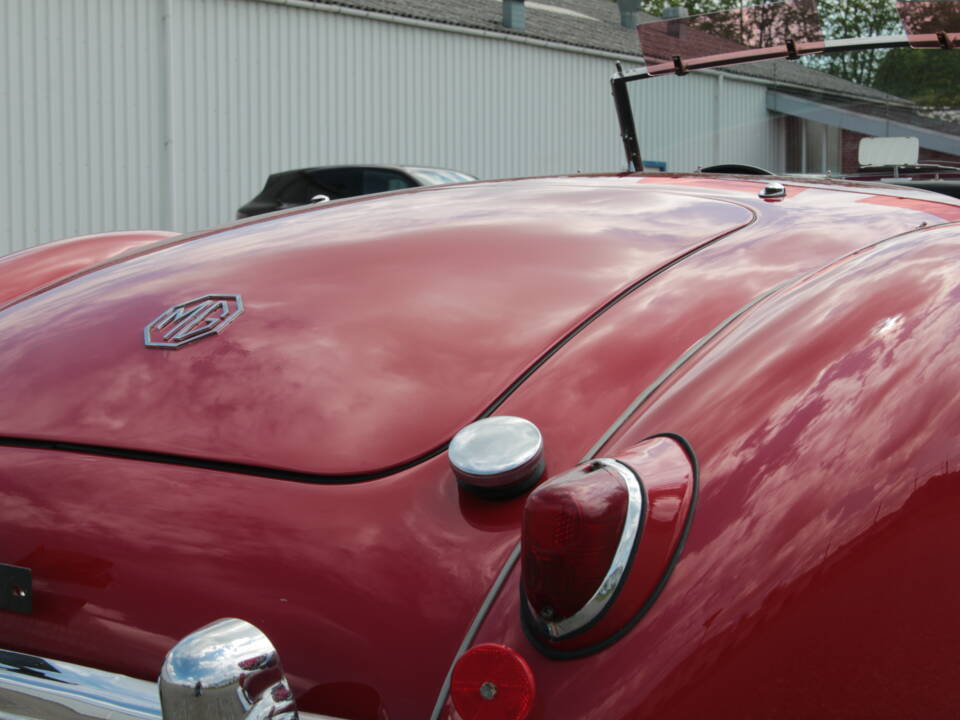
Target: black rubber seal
(507, 491)
(627, 291)
(239, 468)
(321, 479)
(537, 640)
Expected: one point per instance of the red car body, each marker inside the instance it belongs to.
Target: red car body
(292, 470)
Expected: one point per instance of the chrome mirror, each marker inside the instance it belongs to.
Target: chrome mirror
(227, 670)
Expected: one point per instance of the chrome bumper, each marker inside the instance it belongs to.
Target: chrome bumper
(35, 688)
(32, 687)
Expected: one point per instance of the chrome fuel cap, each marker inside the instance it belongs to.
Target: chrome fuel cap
(498, 456)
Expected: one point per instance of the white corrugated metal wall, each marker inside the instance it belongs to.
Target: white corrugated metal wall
(170, 113)
(703, 119)
(81, 118)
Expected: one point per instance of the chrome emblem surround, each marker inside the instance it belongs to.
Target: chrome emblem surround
(192, 320)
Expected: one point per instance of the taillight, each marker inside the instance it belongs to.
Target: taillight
(492, 682)
(579, 530)
(598, 542)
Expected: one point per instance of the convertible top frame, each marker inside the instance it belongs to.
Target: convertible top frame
(942, 39)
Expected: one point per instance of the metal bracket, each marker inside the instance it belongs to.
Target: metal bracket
(628, 129)
(16, 589)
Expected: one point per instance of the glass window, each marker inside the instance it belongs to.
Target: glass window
(437, 176)
(298, 190)
(375, 181)
(338, 182)
(428, 177)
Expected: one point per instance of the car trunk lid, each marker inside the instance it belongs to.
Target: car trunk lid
(370, 331)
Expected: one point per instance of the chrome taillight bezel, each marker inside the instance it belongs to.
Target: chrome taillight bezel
(594, 608)
(667, 474)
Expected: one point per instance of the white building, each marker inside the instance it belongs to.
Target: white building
(170, 114)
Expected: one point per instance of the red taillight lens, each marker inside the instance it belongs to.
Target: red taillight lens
(492, 682)
(598, 544)
(571, 530)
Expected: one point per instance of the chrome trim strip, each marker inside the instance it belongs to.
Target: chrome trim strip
(591, 610)
(680, 362)
(35, 688)
(511, 561)
(473, 629)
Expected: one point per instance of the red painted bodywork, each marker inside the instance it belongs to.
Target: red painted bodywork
(813, 580)
(36, 267)
(363, 318)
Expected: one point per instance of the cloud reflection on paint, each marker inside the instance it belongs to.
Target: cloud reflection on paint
(813, 430)
(815, 567)
(357, 319)
(342, 578)
(618, 357)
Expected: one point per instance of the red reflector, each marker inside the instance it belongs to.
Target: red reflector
(492, 682)
(571, 530)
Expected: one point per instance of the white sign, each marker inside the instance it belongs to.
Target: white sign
(889, 151)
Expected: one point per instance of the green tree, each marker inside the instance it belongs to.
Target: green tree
(838, 18)
(850, 19)
(927, 77)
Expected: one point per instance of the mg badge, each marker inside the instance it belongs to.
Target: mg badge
(192, 320)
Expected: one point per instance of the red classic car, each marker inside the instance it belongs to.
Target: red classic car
(626, 446)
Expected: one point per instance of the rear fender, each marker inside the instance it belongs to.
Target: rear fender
(36, 267)
(818, 572)
(825, 420)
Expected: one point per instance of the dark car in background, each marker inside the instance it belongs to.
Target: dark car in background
(300, 187)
